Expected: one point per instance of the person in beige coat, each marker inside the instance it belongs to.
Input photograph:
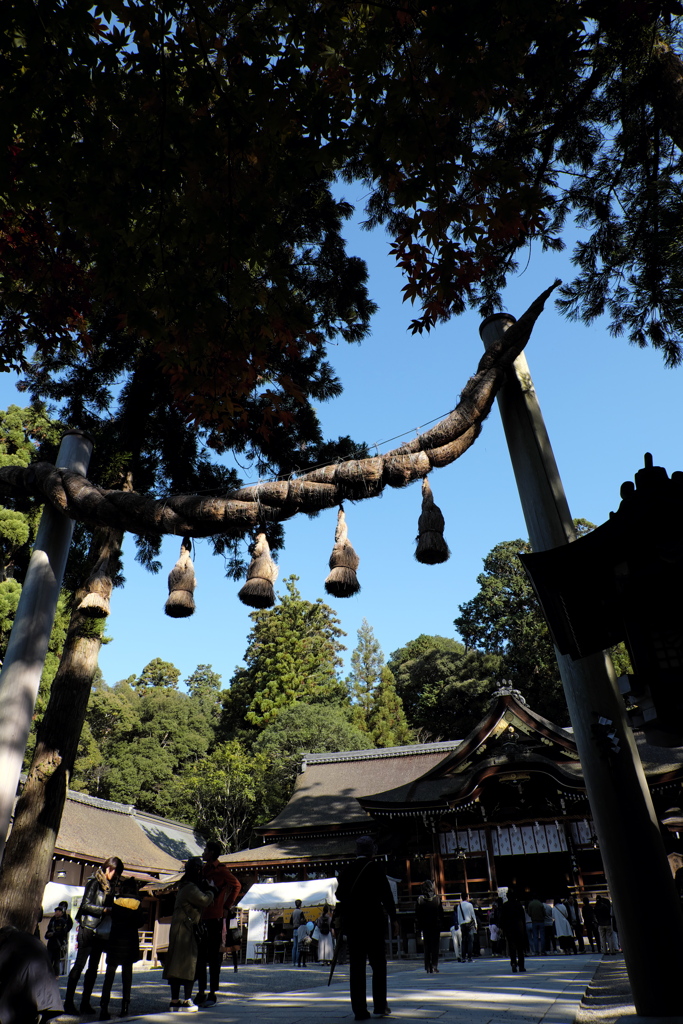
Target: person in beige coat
(194, 895)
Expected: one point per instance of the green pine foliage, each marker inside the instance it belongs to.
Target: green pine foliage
(505, 619)
(443, 686)
(367, 661)
(387, 720)
(294, 656)
(227, 794)
(376, 707)
(142, 733)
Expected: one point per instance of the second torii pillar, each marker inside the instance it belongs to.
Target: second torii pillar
(646, 903)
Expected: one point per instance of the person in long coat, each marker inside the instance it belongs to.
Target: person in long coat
(194, 895)
(326, 936)
(563, 927)
(513, 923)
(123, 947)
(428, 917)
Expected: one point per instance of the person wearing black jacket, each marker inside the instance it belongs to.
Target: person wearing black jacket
(96, 903)
(365, 900)
(513, 923)
(56, 936)
(428, 920)
(123, 945)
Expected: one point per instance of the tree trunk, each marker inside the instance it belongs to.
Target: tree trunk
(30, 846)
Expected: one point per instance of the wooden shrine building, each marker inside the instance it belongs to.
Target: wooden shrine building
(506, 805)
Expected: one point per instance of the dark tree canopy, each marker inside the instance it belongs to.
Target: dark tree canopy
(165, 201)
(170, 168)
(505, 619)
(443, 686)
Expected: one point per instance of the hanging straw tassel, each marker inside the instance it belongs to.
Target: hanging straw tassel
(181, 584)
(342, 581)
(431, 545)
(95, 604)
(258, 591)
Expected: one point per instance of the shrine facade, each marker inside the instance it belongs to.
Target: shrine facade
(505, 806)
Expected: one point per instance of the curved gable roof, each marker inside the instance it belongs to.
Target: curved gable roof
(328, 789)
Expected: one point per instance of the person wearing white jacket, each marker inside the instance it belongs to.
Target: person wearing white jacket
(563, 927)
(467, 919)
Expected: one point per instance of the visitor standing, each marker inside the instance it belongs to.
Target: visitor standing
(592, 934)
(56, 938)
(513, 923)
(456, 935)
(563, 927)
(195, 894)
(428, 920)
(365, 902)
(467, 920)
(603, 916)
(95, 906)
(536, 911)
(325, 936)
(297, 918)
(550, 939)
(227, 890)
(123, 947)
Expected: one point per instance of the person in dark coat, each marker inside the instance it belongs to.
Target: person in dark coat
(591, 924)
(95, 905)
(513, 923)
(428, 920)
(56, 937)
(123, 946)
(365, 900)
(227, 890)
(195, 894)
(28, 988)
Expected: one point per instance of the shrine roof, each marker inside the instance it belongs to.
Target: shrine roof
(510, 740)
(337, 849)
(93, 829)
(658, 761)
(327, 791)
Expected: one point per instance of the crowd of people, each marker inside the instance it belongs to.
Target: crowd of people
(202, 932)
(109, 919)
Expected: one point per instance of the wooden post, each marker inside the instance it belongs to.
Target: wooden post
(638, 873)
(27, 647)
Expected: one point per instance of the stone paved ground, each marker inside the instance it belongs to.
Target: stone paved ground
(485, 992)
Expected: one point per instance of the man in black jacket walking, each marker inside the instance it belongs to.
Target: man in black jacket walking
(364, 902)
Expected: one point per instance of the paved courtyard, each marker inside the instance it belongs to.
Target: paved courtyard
(484, 992)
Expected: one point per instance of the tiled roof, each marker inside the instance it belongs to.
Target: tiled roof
(658, 760)
(292, 852)
(93, 829)
(328, 789)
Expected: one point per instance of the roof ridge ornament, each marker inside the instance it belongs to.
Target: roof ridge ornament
(506, 689)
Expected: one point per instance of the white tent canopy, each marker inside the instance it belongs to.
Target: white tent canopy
(279, 895)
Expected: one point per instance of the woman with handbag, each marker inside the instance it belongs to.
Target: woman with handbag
(94, 924)
(194, 895)
(123, 947)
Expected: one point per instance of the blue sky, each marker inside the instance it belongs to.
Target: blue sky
(605, 404)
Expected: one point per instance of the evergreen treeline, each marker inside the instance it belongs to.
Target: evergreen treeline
(226, 759)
